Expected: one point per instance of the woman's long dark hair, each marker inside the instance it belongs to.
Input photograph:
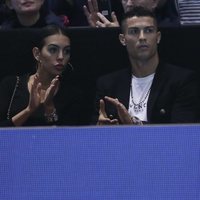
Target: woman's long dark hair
(49, 30)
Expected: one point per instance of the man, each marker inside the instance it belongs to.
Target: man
(165, 12)
(149, 91)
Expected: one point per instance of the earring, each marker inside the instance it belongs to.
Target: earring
(70, 66)
(37, 57)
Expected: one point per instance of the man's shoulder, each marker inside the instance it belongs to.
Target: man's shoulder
(175, 70)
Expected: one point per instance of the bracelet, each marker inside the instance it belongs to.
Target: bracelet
(136, 121)
(52, 117)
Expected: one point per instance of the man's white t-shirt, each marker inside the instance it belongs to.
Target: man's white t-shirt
(139, 94)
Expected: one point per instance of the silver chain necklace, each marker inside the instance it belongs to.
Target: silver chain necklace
(141, 101)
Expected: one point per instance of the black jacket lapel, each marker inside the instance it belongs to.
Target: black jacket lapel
(124, 88)
(156, 88)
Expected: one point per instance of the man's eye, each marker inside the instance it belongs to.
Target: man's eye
(149, 30)
(134, 31)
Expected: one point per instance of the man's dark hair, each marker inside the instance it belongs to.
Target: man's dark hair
(138, 11)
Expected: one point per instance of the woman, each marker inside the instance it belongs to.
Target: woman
(47, 96)
(31, 14)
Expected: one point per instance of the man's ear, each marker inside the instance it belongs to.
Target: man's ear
(36, 53)
(122, 39)
(158, 37)
(9, 4)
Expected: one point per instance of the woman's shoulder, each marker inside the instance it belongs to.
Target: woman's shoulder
(7, 84)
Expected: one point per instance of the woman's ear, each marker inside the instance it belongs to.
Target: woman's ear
(36, 53)
(122, 39)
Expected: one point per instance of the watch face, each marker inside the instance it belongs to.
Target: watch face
(105, 8)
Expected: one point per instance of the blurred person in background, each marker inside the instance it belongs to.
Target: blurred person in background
(189, 12)
(71, 8)
(30, 14)
(165, 11)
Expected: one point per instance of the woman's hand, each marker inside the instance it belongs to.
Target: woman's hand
(39, 96)
(35, 94)
(51, 91)
(49, 95)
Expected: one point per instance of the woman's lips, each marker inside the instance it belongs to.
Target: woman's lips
(59, 67)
